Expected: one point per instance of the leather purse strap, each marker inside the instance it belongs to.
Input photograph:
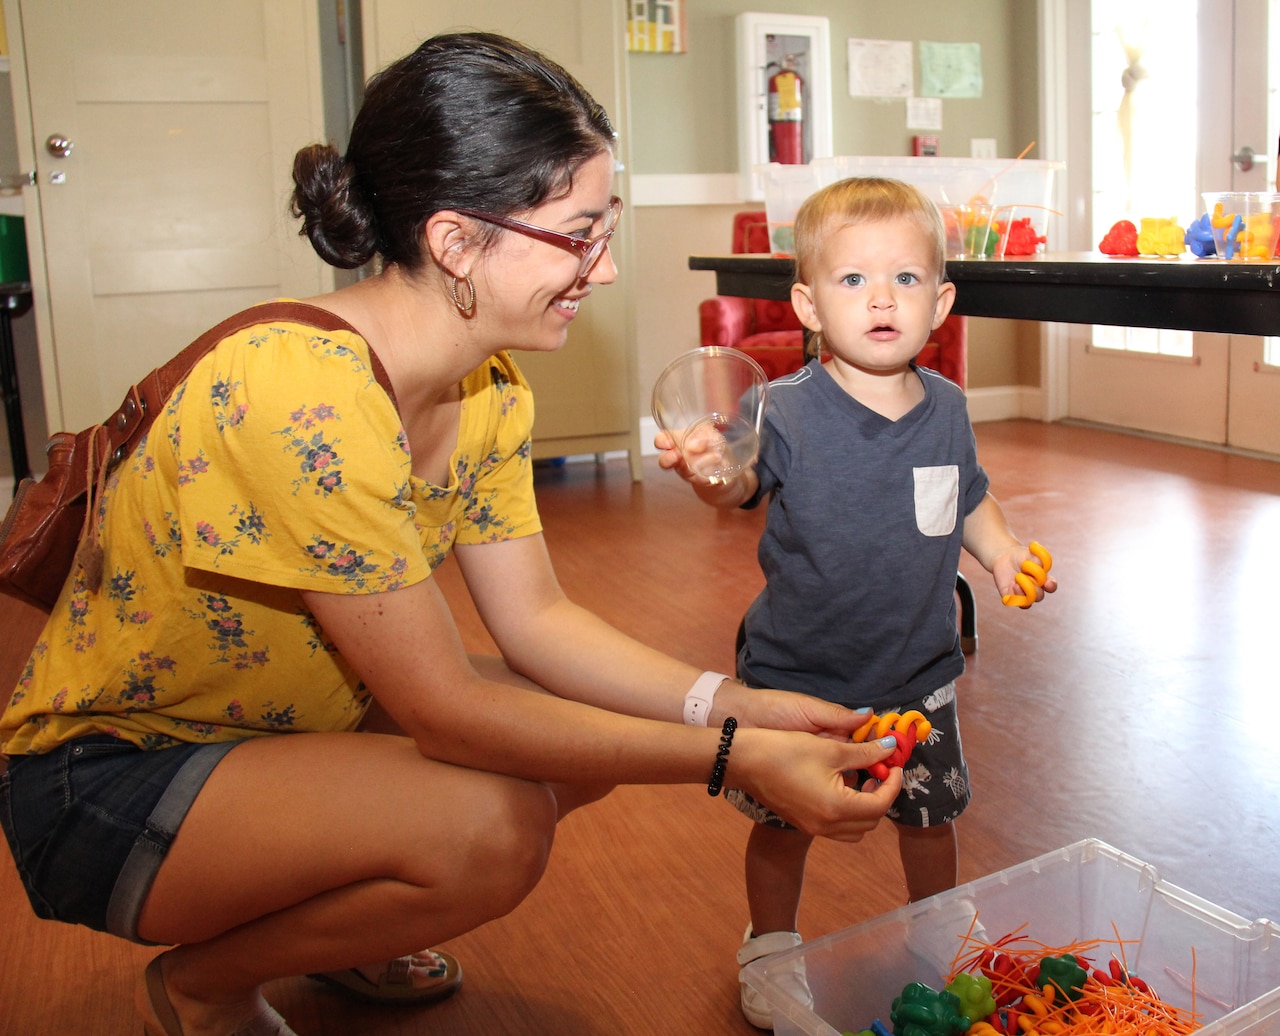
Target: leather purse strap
(134, 416)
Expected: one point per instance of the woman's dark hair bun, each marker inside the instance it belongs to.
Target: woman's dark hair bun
(334, 215)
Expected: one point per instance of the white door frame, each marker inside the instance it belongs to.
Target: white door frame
(1057, 132)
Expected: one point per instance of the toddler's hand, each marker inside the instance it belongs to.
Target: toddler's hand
(670, 458)
(702, 444)
(1022, 575)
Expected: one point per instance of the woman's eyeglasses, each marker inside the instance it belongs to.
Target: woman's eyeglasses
(588, 249)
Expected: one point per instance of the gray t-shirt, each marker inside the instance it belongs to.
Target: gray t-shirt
(861, 543)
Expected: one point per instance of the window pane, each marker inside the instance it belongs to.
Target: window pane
(1144, 160)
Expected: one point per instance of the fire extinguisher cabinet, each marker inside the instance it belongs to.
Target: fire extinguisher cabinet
(786, 116)
(784, 93)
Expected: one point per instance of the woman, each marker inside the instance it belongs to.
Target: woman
(267, 560)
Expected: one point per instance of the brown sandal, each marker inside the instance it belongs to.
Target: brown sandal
(395, 985)
(160, 1019)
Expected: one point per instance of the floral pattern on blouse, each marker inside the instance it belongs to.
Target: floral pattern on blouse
(234, 502)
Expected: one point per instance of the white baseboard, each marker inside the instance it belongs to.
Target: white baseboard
(1005, 402)
(648, 429)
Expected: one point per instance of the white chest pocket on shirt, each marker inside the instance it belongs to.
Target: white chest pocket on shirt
(937, 491)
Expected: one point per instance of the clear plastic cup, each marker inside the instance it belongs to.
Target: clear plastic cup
(711, 401)
(1245, 224)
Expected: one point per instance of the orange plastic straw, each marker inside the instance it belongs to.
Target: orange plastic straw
(1118, 1009)
(1021, 154)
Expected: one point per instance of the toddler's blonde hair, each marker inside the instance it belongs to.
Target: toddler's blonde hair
(864, 199)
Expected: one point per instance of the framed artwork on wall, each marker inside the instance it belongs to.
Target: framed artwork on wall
(656, 26)
(784, 92)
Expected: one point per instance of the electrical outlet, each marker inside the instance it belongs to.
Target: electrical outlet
(982, 147)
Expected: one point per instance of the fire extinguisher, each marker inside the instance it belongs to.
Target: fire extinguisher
(786, 116)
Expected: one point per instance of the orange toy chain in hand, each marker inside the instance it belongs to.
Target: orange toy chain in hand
(1030, 578)
(907, 729)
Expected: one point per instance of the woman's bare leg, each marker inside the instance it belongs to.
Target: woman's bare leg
(314, 852)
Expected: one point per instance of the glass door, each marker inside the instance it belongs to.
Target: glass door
(1180, 94)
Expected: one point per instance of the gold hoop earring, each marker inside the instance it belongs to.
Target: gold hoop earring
(470, 307)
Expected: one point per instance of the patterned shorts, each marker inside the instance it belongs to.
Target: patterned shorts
(935, 781)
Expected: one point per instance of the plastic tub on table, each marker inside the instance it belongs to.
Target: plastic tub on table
(1008, 190)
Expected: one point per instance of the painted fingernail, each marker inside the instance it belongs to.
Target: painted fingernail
(889, 742)
(862, 712)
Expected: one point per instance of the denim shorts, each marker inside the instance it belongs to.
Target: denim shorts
(935, 781)
(90, 822)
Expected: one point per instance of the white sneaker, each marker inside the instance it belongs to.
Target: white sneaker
(755, 1008)
(938, 937)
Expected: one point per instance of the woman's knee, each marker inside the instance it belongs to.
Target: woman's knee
(507, 846)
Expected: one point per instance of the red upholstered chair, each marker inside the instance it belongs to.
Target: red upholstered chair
(770, 333)
(947, 350)
(767, 330)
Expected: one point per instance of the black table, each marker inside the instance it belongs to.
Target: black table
(1184, 294)
(15, 297)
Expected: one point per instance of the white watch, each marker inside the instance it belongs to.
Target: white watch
(697, 703)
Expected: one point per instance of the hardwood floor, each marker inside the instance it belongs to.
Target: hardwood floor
(1139, 705)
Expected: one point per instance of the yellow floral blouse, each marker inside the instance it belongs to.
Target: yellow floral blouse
(279, 465)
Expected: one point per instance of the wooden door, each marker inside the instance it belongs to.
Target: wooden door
(168, 210)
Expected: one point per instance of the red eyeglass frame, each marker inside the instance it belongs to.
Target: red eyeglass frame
(588, 249)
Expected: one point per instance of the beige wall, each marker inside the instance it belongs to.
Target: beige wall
(684, 122)
(683, 106)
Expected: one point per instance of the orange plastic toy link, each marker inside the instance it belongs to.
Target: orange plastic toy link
(908, 729)
(1030, 578)
(893, 721)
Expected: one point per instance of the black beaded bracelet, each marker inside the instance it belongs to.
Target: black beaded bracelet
(722, 757)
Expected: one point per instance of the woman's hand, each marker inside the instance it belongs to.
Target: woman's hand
(785, 710)
(807, 780)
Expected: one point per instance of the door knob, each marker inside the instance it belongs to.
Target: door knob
(58, 146)
(1244, 158)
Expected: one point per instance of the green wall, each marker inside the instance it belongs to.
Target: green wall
(684, 113)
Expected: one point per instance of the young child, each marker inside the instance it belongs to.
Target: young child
(870, 471)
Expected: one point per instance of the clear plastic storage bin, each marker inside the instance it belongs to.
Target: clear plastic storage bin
(1071, 895)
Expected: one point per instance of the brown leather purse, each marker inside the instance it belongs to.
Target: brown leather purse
(51, 529)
